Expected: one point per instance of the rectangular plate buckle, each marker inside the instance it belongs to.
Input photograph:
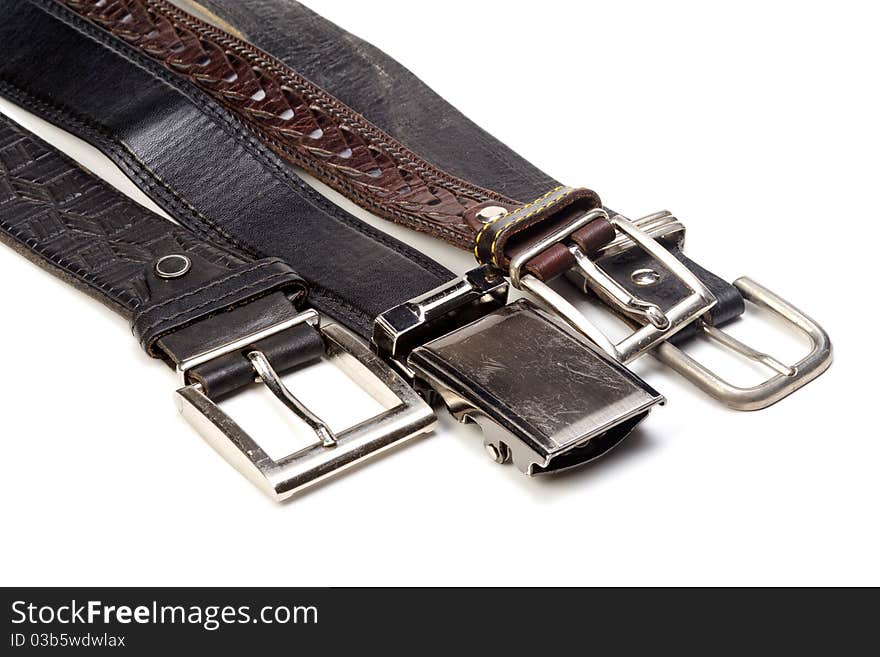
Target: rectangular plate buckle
(543, 395)
(656, 324)
(405, 417)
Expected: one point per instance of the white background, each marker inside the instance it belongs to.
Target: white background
(756, 123)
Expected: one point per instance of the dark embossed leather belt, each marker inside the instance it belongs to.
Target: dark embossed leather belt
(372, 137)
(218, 316)
(439, 331)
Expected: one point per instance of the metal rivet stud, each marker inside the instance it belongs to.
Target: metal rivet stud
(491, 212)
(172, 266)
(498, 453)
(645, 277)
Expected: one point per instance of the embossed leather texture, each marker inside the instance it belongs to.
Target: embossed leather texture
(197, 162)
(77, 226)
(177, 144)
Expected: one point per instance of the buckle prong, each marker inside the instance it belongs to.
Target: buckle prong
(404, 416)
(661, 324)
(726, 340)
(615, 292)
(270, 378)
(787, 379)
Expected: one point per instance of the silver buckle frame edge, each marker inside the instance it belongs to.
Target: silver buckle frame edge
(661, 324)
(406, 416)
(788, 378)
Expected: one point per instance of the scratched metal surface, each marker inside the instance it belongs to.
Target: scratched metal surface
(564, 390)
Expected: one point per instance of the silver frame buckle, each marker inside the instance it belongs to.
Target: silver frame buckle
(664, 227)
(405, 417)
(787, 379)
(660, 324)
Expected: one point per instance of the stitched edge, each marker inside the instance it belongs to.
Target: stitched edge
(234, 128)
(146, 330)
(130, 164)
(215, 283)
(329, 104)
(125, 297)
(511, 215)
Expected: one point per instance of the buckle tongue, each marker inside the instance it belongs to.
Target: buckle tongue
(620, 259)
(787, 378)
(405, 416)
(655, 324)
(543, 395)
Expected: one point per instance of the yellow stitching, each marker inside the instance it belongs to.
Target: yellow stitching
(521, 219)
(507, 214)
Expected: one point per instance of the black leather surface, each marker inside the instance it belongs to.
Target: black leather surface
(207, 290)
(668, 290)
(384, 91)
(291, 348)
(198, 163)
(390, 96)
(77, 226)
(178, 146)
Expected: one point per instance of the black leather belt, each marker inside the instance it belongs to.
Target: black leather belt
(453, 338)
(666, 303)
(218, 316)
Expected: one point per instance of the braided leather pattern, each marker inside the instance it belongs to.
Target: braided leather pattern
(297, 119)
(76, 223)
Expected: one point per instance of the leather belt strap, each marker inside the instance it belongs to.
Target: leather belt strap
(185, 70)
(389, 98)
(394, 101)
(310, 128)
(218, 316)
(177, 57)
(222, 318)
(167, 282)
(215, 178)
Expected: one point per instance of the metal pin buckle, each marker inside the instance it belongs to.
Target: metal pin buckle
(405, 416)
(787, 379)
(660, 323)
(665, 229)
